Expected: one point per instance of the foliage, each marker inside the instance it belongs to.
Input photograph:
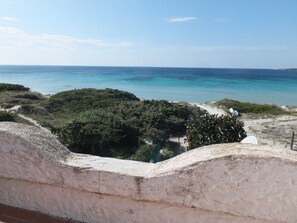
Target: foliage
(146, 153)
(97, 132)
(33, 109)
(6, 117)
(13, 87)
(213, 129)
(166, 153)
(76, 101)
(30, 95)
(143, 153)
(9, 99)
(116, 123)
(157, 121)
(251, 108)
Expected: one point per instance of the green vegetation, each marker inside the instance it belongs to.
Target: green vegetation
(117, 124)
(213, 129)
(6, 117)
(143, 153)
(75, 101)
(10, 98)
(112, 122)
(166, 153)
(12, 87)
(251, 108)
(157, 121)
(98, 132)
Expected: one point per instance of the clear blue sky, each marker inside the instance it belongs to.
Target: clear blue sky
(175, 33)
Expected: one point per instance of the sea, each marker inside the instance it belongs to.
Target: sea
(175, 84)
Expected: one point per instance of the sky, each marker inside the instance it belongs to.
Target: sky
(159, 33)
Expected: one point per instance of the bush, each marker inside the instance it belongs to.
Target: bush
(251, 108)
(143, 153)
(13, 87)
(32, 109)
(97, 132)
(30, 96)
(156, 120)
(166, 153)
(6, 117)
(76, 101)
(213, 129)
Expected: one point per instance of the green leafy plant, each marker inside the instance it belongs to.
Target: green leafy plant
(97, 132)
(6, 117)
(143, 153)
(13, 87)
(166, 153)
(213, 129)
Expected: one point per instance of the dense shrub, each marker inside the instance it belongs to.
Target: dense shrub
(251, 108)
(114, 123)
(157, 121)
(76, 101)
(143, 153)
(213, 129)
(6, 117)
(12, 87)
(97, 132)
(166, 153)
(30, 96)
(33, 109)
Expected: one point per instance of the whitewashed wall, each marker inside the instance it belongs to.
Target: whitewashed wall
(220, 183)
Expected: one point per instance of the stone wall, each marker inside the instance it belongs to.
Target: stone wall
(219, 183)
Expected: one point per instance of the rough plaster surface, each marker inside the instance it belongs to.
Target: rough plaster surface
(219, 183)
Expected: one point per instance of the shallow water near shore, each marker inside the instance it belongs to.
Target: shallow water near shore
(175, 84)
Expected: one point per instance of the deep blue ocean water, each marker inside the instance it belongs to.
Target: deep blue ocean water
(176, 84)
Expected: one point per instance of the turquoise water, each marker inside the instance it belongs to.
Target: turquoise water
(176, 84)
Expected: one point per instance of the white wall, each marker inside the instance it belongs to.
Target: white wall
(220, 183)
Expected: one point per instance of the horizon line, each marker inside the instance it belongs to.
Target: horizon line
(135, 66)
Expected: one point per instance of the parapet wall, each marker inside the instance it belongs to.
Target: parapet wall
(220, 183)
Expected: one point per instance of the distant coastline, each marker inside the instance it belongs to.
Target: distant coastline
(294, 69)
